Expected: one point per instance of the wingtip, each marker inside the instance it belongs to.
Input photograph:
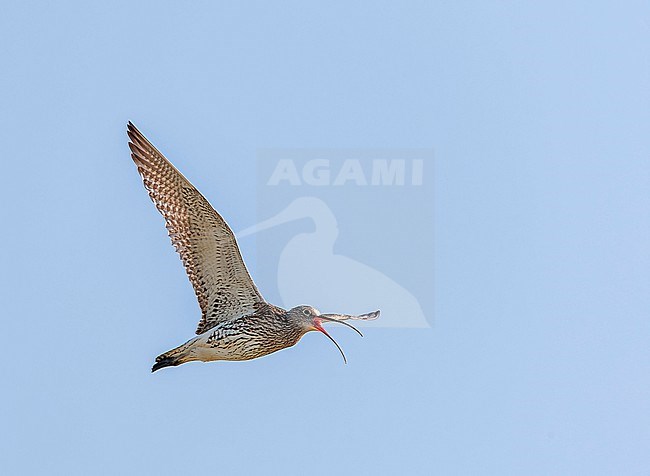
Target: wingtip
(131, 130)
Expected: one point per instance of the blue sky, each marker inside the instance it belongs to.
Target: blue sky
(538, 358)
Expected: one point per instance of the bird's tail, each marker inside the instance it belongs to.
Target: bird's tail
(163, 361)
(174, 357)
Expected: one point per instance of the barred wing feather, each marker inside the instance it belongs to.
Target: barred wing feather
(200, 235)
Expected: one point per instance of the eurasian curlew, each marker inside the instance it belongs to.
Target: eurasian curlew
(236, 322)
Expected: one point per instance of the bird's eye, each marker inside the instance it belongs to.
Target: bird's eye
(306, 312)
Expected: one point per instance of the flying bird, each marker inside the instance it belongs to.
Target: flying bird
(236, 322)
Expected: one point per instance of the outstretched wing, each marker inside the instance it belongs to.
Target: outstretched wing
(202, 238)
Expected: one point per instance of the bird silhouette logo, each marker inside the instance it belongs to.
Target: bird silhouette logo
(337, 273)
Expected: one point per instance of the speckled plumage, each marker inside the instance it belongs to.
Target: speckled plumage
(236, 323)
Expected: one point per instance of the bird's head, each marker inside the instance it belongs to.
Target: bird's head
(310, 319)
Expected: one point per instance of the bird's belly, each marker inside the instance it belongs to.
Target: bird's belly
(233, 348)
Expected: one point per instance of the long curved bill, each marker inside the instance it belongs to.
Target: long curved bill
(341, 318)
(319, 327)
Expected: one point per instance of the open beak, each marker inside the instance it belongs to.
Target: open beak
(340, 318)
(319, 327)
